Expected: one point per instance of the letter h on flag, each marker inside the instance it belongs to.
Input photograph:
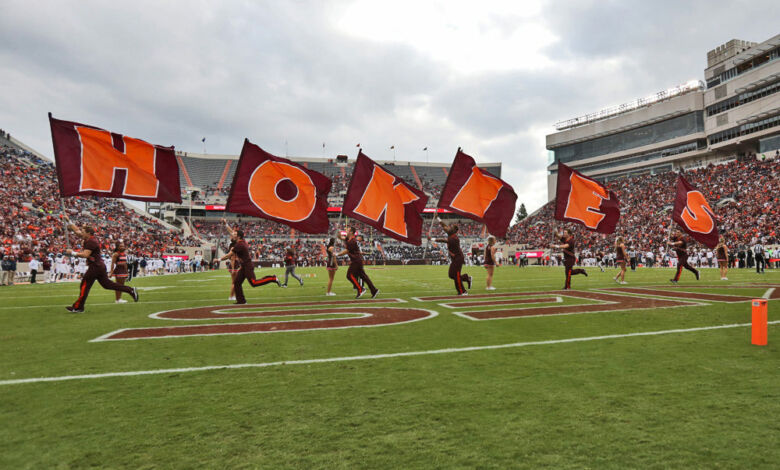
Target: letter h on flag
(95, 162)
(582, 200)
(279, 189)
(694, 214)
(475, 193)
(384, 201)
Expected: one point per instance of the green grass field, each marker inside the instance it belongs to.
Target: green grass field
(703, 398)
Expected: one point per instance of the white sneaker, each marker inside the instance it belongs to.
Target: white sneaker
(121, 301)
(490, 288)
(330, 293)
(623, 282)
(232, 298)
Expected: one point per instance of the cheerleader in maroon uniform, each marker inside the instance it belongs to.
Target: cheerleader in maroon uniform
(332, 264)
(119, 268)
(490, 262)
(620, 260)
(680, 247)
(722, 251)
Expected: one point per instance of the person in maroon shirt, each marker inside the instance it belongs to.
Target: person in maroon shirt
(247, 270)
(355, 273)
(569, 257)
(680, 247)
(620, 260)
(456, 257)
(96, 269)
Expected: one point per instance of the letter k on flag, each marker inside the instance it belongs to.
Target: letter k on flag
(384, 201)
(585, 201)
(475, 193)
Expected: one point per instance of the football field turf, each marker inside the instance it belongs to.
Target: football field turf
(605, 379)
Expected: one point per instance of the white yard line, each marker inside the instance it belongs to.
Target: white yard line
(367, 357)
(768, 293)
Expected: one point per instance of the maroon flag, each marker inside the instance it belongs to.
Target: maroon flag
(474, 193)
(279, 189)
(694, 214)
(384, 201)
(94, 162)
(585, 201)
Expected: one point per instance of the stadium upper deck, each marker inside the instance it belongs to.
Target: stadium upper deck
(736, 113)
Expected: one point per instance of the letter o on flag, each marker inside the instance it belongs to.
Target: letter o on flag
(270, 191)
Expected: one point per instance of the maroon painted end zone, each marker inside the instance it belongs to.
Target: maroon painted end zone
(663, 292)
(480, 296)
(201, 313)
(488, 303)
(612, 303)
(375, 316)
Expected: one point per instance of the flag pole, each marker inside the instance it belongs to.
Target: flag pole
(430, 228)
(65, 220)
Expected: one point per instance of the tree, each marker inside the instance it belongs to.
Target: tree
(521, 213)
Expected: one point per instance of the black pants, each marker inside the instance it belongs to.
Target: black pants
(455, 266)
(760, 263)
(247, 272)
(570, 271)
(97, 272)
(683, 263)
(33, 273)
(355, 273)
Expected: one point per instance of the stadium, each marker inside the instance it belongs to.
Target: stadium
(522, 375)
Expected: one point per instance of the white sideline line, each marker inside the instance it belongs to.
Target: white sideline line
(768, 293)
(363, 358)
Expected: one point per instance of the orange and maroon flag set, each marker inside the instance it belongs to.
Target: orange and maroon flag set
(694, 215)
(384, 201)
(279, 189)
(94, 162)
(476, 194)
(585, 201)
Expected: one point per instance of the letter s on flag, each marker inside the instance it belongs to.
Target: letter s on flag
(264, 191)
(697, 213)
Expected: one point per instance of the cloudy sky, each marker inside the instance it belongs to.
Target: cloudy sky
(492, 77)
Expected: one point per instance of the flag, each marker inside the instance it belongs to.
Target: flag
(585, 201)
(94, 162)
(384, 201)
(694, 214)
(392, 147)
(203, 140)
(281, 190)
(425, 149)
(358, 145)
(474, 193)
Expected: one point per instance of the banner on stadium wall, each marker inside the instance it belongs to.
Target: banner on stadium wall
(529, 254)
(94, 162)
(279, 189)
(213, 207)
(476, 194)
(694, 215)
(585, 201)
(384, 201)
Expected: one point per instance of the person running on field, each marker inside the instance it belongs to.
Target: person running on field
(568, 245)
(356, 273)
(490, 262)
(722, 252)
(332, 265)
(247, 270)
(96, 268)
(289, 266)
(620, 259)
(119, 268)
(680, 247)
(456, 256)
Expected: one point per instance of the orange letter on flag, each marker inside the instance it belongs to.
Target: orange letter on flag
(696, 213)
(282, 191)
(479, 192)
(100, 160)
(381, 197)
(585, 200)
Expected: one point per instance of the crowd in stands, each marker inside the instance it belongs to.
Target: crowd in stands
(32, 218)
(743, 193)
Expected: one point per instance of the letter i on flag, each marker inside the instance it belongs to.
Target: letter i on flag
(384, 201)
(585, 201)
(694, 214)
(94, 162)
(279, 189)
(475, 193)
